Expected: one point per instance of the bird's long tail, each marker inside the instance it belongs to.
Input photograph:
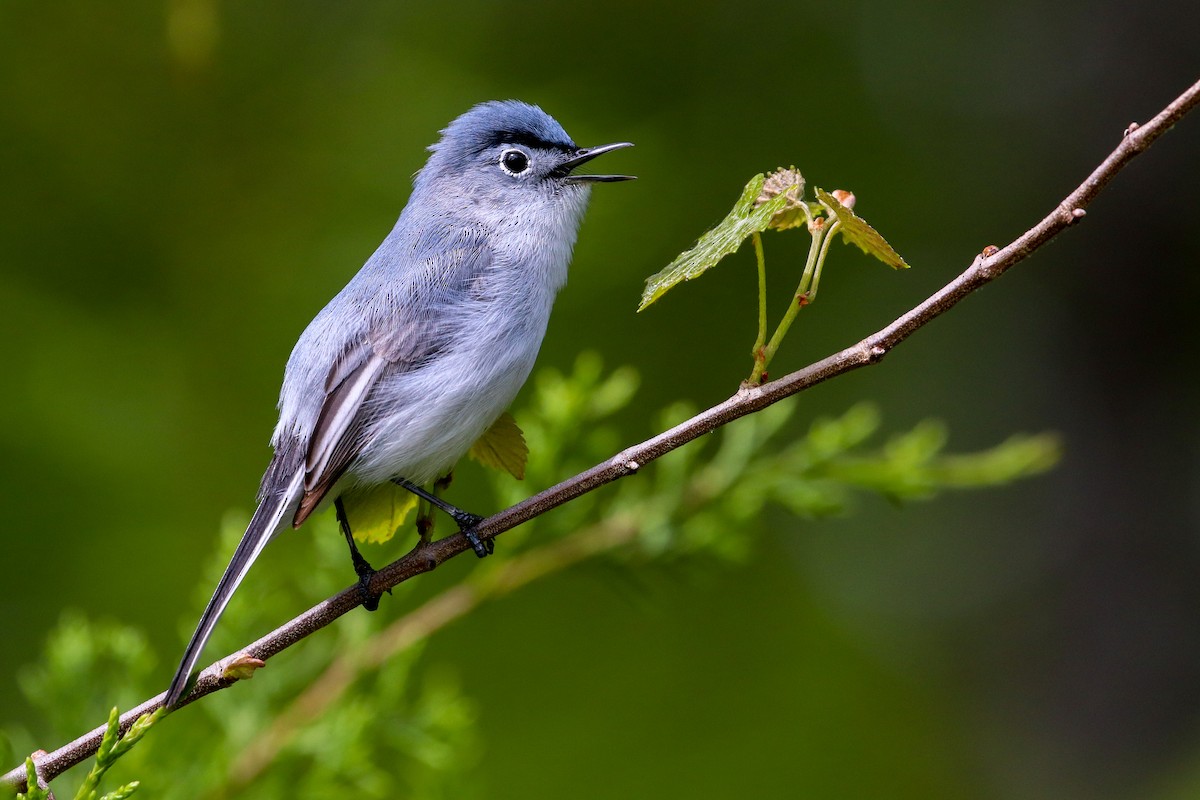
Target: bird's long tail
(269, 519)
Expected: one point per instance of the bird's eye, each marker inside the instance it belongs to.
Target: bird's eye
(514, 162)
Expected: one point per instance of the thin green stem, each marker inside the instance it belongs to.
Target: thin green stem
(800, 299)
(760, 363)
(816, 229)
(812, 291)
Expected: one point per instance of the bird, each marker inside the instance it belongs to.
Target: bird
(428, 344)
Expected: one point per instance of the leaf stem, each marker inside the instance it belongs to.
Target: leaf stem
(816, 278)
(760, 361)
(800, 299)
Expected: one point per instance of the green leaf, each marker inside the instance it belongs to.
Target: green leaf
(502, 447)
(854, 229)
(376, 514)
(742, 222)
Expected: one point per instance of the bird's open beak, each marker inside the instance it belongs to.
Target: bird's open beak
(586, 154)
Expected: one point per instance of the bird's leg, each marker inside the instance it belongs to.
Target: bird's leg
(362, 569)
(466, 521)
(424, 520)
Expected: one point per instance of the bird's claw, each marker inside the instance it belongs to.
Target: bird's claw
(466, 525)
(370, 600)
(482, 547)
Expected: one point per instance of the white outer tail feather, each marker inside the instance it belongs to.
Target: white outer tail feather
(269, 518)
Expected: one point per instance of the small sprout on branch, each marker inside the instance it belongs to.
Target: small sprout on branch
(242, 667)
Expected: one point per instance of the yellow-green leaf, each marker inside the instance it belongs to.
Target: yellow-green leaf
(502, 447)
(376, 514)
(855, 230)
(743, 221)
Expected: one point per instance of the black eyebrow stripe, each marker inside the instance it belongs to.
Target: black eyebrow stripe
(525, 138)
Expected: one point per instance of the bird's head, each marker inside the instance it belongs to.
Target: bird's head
(511, 152)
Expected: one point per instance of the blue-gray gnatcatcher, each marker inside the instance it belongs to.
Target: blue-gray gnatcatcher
(428, 344)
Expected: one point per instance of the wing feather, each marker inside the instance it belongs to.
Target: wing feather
(404, 334)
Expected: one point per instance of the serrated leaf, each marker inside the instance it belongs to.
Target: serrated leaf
(502, 447)
(376, 514)
(854, 229)
(743, 221)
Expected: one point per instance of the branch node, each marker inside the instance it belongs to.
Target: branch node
(428, 561)
(872, 353)
(1069, 215)
(986, 266)
(631, 467)
(1133, 126)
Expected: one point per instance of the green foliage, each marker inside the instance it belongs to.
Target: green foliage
(353, 713)
(747, 217)
(112, 747)
(775, 201)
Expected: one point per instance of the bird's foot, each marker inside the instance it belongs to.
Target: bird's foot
(370, 599)
(466, 526)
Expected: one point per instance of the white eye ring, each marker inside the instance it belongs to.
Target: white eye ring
(514, 161)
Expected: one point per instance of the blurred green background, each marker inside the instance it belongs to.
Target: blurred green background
(186, 183)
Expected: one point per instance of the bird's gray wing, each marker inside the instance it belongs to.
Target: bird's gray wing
(403, 334)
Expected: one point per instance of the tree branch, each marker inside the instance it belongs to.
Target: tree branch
(986, 267)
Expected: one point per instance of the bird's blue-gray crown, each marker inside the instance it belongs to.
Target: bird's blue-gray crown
(508, 133)
(502, 122)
